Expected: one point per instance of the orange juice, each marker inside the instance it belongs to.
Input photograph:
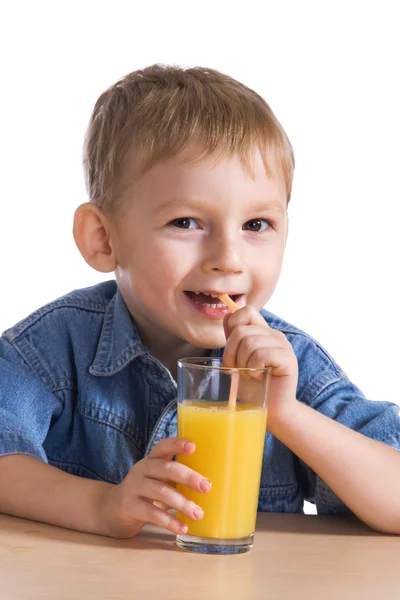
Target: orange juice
(229, 452)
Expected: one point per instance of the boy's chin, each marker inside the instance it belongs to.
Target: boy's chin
(210, 342)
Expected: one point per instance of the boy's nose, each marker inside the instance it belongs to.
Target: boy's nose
(223, 255)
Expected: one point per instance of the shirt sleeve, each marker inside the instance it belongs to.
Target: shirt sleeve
(338, 398)
(27, 407)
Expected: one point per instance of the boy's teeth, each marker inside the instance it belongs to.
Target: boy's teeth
(212, 295)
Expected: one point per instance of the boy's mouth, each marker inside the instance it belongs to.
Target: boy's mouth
(209, 304)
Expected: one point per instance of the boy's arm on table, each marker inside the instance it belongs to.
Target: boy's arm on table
(363, 472)
(35, 490)
(32, 489)
(29, 487)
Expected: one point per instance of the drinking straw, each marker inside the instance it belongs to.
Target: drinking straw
(235, 376)
(229, 302)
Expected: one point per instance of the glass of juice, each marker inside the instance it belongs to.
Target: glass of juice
(224, 412)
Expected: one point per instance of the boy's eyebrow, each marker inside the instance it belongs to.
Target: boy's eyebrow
(179, 203)
(200, 202)
(272, 204)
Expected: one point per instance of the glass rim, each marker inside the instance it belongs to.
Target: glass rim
(193, 362)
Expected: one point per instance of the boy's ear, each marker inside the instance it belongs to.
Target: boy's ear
(92, 236)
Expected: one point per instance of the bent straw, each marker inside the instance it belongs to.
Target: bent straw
(235, 376)
(229, 302)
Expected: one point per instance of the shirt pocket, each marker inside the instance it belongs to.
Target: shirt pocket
(110, 443)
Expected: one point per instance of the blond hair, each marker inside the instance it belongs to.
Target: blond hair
(163, 110)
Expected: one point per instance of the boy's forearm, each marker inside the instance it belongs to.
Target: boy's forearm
(32, 489)
(364, 473)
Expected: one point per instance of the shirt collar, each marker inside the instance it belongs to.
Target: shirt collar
(120, 342)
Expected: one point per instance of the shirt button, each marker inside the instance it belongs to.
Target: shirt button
(155, 371)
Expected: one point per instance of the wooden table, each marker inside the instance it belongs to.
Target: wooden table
(294, 557)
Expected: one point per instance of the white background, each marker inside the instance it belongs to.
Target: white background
(330, 72)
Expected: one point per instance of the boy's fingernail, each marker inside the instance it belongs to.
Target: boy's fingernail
(189, 446)
(205, 485)
(198, 513)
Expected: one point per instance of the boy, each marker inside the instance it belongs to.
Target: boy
(189, 175)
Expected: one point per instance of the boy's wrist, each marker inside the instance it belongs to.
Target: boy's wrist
(110, 518)
(102, 511)
(277, 424)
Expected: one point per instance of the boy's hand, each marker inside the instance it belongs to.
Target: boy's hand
(252, 343)
(147, 492)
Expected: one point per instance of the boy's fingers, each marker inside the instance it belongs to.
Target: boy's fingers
(161, 492)
(171, 471)
(170, 447)
(149, 513)
(248, 315)
(161, 505)
(276, 358)
(240, 334)
(250, 344)
(226, 324)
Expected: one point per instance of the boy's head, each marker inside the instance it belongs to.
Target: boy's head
(189, 174)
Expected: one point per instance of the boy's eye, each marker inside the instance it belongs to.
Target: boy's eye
(185, 223)
(257, 225)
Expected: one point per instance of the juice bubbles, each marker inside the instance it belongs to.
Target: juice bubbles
(229, 451)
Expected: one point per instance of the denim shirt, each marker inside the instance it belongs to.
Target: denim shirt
(80, 390)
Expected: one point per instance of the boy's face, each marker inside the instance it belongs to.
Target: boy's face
(190, 227)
